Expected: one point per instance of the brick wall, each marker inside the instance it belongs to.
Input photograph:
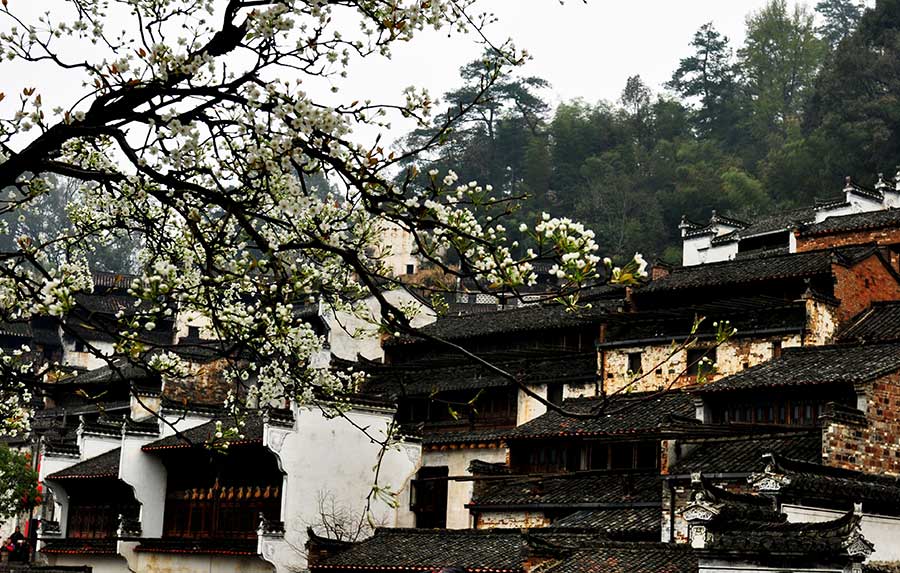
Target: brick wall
(871, 444)
(884, 236)
(863, 283)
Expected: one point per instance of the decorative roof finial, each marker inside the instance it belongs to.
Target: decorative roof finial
(881, 185)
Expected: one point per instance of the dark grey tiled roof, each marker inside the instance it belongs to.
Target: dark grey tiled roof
(199, 546)
(524, 319)
(748, 315)
(627, 521)
(735, 507)
(62, 448)
(815, 365)
(102, 466)
(878, 323)
(576, 490)
(854, 222)
(824, 540)
(464, 436)
(817, 481)
(796, 265)
(121, 370)
(491, 550)
(744, 454)
(107, 303)
(636, 413)
(781, 221)
(206, 433)
(17, 329)
(612, 557)
(113, 280)
(423, 379)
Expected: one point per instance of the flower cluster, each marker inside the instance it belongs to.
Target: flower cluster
(252, 199)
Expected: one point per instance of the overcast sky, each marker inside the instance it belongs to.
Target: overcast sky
(584, 50)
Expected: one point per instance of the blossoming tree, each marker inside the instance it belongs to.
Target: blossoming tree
(192, 130)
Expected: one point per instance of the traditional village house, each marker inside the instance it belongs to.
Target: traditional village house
(844, 396)
(137, 495)
(740, 532)
(878, 227)
(717, 446)
(750, 536)
(462, 409)
(773, 302)
(726, 238)
(113, 429)
(601, 471)
(86, 333)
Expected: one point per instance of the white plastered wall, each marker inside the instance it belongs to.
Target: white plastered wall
(332, 457)
(882, 530)
(459, 493)
(528, 408)
(350, 335)
(179, 563)
(85, 360)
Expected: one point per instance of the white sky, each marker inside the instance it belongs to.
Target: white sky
(584, 49)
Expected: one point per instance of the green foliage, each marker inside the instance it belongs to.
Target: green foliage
(770, 126)
(855, 111)
(48, 214)
(779, 61)
(840, 19)
(18, 483)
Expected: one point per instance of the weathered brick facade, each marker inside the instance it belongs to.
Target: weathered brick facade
(882, 236)
(870, 443)
(860, 285)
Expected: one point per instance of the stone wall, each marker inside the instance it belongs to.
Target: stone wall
(731, 357)
(511, 520)
(821, 321)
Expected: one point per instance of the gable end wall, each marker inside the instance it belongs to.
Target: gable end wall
(862, 284)
(874, 447)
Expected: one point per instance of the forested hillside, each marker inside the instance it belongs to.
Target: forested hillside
(809, 98)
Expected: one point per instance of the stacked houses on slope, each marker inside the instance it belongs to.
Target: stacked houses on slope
(784, 457)
(625, 436)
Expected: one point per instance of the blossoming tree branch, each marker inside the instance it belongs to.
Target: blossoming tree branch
(191, 128)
